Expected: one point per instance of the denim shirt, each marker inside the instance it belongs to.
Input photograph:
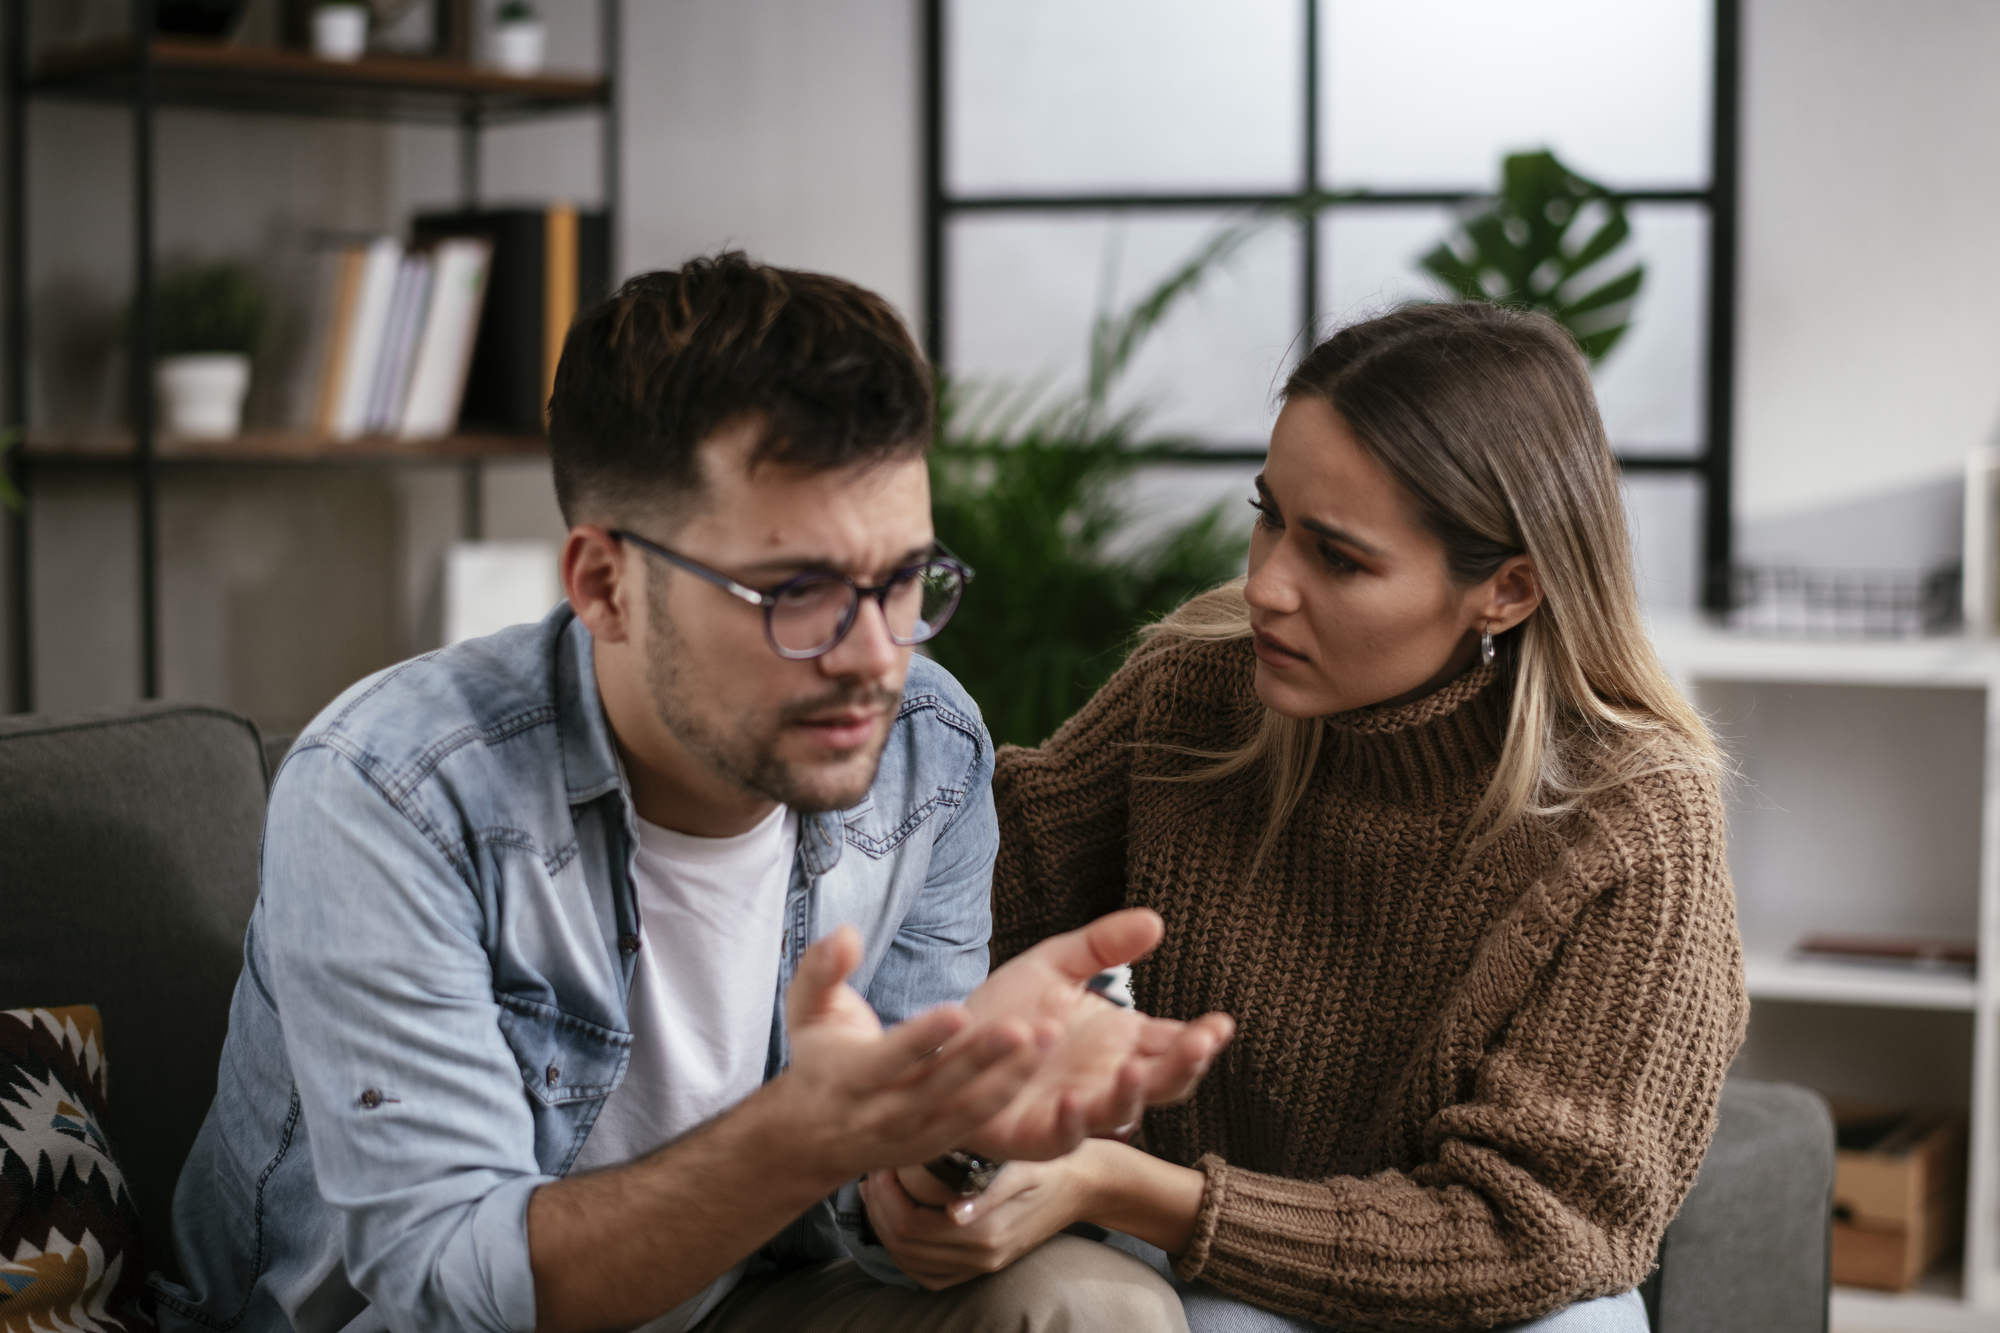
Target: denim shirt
(432, 1008)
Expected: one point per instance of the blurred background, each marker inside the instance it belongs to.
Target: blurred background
(1808, 357)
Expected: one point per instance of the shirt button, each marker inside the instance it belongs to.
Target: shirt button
(553, 1075)
(372, 1098)
(628, 943)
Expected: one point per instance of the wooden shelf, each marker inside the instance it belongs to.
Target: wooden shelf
(218, 76)
(113, 449)
(1782, 977)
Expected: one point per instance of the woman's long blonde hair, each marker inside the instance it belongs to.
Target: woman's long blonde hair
(1486, 418)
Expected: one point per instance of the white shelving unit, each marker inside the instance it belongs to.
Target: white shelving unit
(1869, 802)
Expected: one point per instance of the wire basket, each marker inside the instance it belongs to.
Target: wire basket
(1846, 604)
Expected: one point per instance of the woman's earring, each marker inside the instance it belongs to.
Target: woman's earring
(1486, 645)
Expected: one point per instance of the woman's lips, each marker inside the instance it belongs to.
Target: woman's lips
(1273, 651)
(842, 731)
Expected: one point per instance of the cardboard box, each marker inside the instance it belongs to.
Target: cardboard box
(1898, 1193)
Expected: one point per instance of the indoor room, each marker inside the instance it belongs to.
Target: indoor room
(1470, 539)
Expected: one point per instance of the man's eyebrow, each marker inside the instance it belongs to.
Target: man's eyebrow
(1327, 530)
(806, 564)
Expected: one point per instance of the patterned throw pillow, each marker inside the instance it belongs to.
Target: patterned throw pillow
(70, 1246)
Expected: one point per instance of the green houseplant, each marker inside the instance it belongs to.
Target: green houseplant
(209, 319)
(1543, 242)
(1026, 488)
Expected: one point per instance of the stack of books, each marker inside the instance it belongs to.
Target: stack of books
(399, 333)
(463, 325)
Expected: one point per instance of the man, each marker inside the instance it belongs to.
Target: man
(543, 1022)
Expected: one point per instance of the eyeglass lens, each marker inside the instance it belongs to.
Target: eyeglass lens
(811, 613)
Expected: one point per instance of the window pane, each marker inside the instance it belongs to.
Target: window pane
(1024, 288)
(1664, 511)
(1649, 387)
(1110, 96)
(1432, 93)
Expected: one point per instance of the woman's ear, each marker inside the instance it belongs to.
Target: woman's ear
(1510, 596)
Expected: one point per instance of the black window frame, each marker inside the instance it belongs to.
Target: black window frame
(1710, 464)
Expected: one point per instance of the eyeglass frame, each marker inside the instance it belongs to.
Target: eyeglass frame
(767, 598)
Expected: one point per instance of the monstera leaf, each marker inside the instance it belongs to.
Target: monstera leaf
(1543, 243)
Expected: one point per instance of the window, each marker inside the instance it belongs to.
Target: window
(1079, 149)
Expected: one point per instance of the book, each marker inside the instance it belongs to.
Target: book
(361, 351)
(444, 347)
(339, 287)
(1893, 950)
(399, 340)
(546, 264)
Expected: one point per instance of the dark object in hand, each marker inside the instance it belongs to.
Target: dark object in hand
(963, 1173)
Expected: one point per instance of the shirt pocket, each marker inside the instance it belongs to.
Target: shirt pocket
(878, 831)
(568, 1066)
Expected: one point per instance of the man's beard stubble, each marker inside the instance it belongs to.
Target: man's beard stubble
(747, 754)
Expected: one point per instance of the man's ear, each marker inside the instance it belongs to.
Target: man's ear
(1510, 596)
(601, 581)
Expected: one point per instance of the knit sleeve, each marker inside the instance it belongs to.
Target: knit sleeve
(1063, 810)
(1575, 1117)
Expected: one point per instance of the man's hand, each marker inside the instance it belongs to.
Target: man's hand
(861, 1097)
(1111, 1062)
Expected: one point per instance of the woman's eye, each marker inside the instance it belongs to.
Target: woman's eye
(1265, 518)
(1337, 562)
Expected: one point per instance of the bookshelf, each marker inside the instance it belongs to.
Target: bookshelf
(1868, 801)
(147, 76)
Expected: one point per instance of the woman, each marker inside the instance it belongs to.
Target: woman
(1423, 812)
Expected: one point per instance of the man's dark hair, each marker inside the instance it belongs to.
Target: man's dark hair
(649, 374)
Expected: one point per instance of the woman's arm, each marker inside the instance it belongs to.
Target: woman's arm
(1063, 813)
(942, 1241)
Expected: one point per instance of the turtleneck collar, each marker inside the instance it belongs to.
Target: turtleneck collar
(1438, 746)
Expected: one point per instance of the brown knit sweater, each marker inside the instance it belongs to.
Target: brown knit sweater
(1460, 1094)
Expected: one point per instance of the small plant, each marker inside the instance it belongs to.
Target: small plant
(215, 307)
(515, 11)
(1540, 244)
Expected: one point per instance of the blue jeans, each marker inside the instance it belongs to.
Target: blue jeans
(1210, 1311)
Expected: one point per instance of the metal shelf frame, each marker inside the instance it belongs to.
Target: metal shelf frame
(1710, 463)
(151, 75)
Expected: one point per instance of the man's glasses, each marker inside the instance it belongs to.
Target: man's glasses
(808, 616)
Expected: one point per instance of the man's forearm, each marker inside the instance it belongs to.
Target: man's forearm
(615, 1248)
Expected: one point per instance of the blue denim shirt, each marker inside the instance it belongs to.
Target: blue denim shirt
(432, 1006)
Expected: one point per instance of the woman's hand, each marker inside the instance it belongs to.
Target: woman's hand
(1025, 1205)
(1111, 1063)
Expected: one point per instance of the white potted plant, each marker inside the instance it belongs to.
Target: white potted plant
(340, 30)
(211, 318)
(520, 38)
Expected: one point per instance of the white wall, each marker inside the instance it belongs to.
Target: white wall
(1870, 299)
(790, 128)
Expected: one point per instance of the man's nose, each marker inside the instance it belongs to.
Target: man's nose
(867, 652)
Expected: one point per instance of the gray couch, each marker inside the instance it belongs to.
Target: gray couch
(129, 841)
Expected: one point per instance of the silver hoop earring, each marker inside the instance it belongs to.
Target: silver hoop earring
(1486, 645)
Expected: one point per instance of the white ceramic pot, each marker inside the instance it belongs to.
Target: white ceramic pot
(201, 394)
(340, 32)
(521, 48)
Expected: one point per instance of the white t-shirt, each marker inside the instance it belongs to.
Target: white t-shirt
(711, 926)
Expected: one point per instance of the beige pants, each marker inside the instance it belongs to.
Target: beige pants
(1066, 1286)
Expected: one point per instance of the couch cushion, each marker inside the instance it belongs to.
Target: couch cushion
(130, 840)
(1749, 1251)
(71, 1252)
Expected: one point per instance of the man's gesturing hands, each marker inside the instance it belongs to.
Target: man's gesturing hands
(1028, 1067)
